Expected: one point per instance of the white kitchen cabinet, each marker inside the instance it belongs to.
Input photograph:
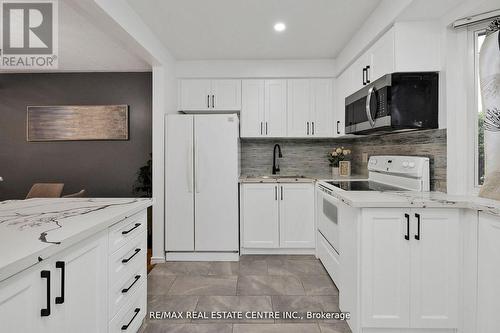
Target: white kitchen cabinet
(22, 299)
(296, 216)
(259, 215)
(79, 292)
(263, 111)
(277, 215)
(382, 56)
(410, 268)
(209, 95)
(341, 86)
(488, 288)
(310, 108)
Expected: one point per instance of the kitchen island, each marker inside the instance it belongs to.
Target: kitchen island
(74, 264)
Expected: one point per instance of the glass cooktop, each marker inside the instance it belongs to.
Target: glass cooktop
(363, 185)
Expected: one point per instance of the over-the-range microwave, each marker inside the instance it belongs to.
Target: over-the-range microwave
(395, 102)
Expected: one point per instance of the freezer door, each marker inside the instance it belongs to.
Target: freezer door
(179, 183)
(216, 182)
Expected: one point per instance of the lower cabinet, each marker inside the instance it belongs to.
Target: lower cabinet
(410, 268)
(71, 291)
(276, 215)
(488, 294)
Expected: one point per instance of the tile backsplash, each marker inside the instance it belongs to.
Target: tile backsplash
(309, 157)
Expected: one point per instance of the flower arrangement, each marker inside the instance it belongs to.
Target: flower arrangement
(337, 155)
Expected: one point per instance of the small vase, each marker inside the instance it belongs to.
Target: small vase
(335, 172)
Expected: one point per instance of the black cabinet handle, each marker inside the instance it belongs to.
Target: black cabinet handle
(62, 266)
(407, 236)
(261, 128)
(137, 225)
(338, 130)
(208, 101)
(281, 193)
(130, 258)
(417, 236)
(312, 128)
(136, 278)
(364, 76)
(213, 101)
(307, 128)
(46, 275)
(136, 312)
(276, 193)
(368, 74)
(266, 127)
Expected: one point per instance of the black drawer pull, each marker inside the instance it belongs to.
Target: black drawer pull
(46, 312)
(407, 236)
(417, 236)
(137, 225)
(124, 261)
(62, 266)
(136, 278)
(125, 327)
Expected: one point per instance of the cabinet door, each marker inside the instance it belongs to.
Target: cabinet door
(299, 109)
(382, 56)
(341, 84)
(83, 307)
(195, 95)
(260, 215)
(22, 297)
(358, 77)
(488, 295)
(385, 269)
(322, 114)
(226, 95)
(252, 109)
(275, 108)
(296, 216)
(434, 268)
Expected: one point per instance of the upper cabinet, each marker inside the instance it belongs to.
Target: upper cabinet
(263, 111)
(310, 108)
(209, 95)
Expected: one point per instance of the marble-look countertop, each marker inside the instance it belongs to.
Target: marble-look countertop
(403, 199)
(35, 229)
(276, 179)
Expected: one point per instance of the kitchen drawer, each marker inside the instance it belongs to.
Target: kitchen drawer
(125, 260)
(130, 316)
(329, 258)
(122, 232)
(121, 291)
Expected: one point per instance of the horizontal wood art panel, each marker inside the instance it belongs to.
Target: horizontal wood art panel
(77, 122)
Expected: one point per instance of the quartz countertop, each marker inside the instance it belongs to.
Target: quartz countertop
(403, 199)
(35, 229)
(276, 179)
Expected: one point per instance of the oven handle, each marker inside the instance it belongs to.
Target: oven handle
(368, 107)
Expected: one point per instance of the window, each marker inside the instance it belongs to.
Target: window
(479, 34)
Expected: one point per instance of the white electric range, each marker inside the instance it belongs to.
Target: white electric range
(385, 173)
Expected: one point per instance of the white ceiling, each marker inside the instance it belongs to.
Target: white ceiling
(243, 29)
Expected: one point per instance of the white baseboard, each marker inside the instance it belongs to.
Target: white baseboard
(202, 256)
(278, 251)
(157, 260)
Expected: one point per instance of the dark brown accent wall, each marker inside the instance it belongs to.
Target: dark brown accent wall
(103, 168)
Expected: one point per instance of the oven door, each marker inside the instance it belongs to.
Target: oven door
(328, 217)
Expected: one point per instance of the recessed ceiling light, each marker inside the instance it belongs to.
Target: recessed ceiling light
(280, 26)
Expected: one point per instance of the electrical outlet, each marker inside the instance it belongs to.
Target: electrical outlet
(364, 157)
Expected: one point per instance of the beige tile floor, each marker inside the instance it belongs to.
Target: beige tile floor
(256, 283)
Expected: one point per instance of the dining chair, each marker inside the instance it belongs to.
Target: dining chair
(45, 190)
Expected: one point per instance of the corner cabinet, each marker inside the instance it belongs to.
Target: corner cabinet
(263, 109)
(310, 108)
(277, 216)
(209, 95)
(410, 268)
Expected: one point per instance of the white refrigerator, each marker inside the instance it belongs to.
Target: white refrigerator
(202, 170)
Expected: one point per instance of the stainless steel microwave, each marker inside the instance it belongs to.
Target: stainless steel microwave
(395, 102)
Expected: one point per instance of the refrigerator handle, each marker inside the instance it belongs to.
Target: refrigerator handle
(190, 168)
(196, 166)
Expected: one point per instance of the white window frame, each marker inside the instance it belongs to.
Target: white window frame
(473, 32)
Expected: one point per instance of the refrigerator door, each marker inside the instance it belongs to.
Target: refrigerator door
(179, 230)
(216, 182)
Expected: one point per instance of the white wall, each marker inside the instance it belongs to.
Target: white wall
(164, 101)
(255, 68)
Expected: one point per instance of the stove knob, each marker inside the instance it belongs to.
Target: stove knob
(405, 164)
(411, 164)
